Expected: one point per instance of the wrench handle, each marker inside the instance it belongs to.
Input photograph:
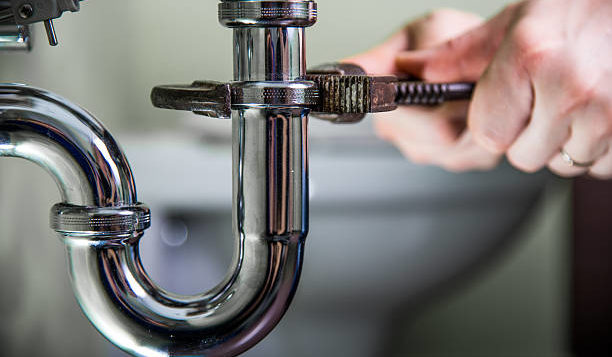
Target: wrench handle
(430, 94)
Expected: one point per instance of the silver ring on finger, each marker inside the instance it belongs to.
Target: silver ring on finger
(567, 158)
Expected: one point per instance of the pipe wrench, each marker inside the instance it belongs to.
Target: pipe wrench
(347, 93)
(337, 92)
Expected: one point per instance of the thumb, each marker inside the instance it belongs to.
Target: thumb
(463, 58)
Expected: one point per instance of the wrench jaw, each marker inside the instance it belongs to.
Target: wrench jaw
(208, 98)
(346, 99)
(347, 93)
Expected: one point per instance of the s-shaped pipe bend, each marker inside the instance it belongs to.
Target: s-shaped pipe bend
(101, 223)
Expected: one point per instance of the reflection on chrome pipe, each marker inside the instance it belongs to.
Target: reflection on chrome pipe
(143, 319)
(69, 143)
(269, 53)
(15, 38)
(270, 211)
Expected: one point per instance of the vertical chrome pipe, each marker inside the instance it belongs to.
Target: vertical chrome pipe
(269, 53)
(276, 136)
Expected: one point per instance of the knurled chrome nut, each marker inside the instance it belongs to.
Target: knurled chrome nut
(104, 222)
(234, 13)
(281, 94)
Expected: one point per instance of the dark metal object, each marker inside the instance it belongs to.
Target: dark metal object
(216, 99)
(5, 12)
(340, 93)
(26, 12)
(30, 11)
(51, 32)
(351, 94)
(421, 93)
(348, 94)
(212, 99)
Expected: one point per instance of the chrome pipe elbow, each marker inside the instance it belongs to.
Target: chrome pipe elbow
(269, 224)
(69, 143)
(101, 224)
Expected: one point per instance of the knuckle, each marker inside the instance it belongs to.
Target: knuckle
(491, 139)
(532, 46)
(600, 128)
(442, 16)
(579, 93)
(490, 131)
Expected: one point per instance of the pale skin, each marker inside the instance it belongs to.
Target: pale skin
(543, 70)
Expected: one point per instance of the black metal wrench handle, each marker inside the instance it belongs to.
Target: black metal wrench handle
(423, 93)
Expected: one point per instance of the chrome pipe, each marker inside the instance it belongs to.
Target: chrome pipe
(15, 38)
(101, 221)
(109, 281)
(69, 143)
(269, 54)
(269, 215)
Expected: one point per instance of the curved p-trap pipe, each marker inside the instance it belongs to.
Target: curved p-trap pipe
(101, 224)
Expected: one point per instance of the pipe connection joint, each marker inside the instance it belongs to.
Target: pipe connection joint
(100, 223)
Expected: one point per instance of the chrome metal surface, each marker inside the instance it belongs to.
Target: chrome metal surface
(236, 13)
(270, 224)
(269, 54)
(293, 93)
(99, 222)
(68, 142)
(15, 38)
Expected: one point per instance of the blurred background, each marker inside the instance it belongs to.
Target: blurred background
(402, 260)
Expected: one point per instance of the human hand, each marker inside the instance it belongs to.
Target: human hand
(436, 135)
(543, 69)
